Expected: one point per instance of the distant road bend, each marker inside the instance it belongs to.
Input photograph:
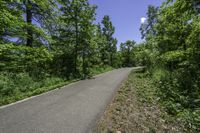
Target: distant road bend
(71, 109)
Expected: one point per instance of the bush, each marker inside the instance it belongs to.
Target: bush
(100, 69)
(23, 82)
(50, 81)
(13, 84)
(6, 85)
(179, 94)
(24, 59)
(159, 73)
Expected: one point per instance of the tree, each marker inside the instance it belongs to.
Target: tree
(127, 53)
(101, 43)
(148, 28)
(113, 53)
(11, 21)
(175, 63)
(37, 14)
(108, 31)
(75, 34)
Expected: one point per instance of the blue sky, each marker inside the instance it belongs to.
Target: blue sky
(126, 16)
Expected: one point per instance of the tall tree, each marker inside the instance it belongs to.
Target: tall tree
(76, 31)
(101, 43)
(148, 28)
(113, 53)
(126, 50)
(36, 13)
(11, 20)
(108, 31)
(177, 55)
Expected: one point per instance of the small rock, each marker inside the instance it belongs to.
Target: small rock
(118, 132)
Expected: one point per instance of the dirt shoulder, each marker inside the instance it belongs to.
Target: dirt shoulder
(135, 110)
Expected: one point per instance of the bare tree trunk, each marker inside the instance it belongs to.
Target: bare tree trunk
(76, 45)
(84, 65)
(29, 22)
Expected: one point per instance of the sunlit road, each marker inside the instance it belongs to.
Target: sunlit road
(71, 109)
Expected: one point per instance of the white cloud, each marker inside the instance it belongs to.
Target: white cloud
(143, 20)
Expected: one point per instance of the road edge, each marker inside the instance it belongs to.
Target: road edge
(50, 91)
(98, 117)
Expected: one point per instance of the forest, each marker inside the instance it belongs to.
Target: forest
(45, 44)
(172, 55)
(49, 43)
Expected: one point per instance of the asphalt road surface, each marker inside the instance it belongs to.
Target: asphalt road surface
(72, 109)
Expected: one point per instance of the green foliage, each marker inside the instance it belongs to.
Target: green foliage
(147, 29)
(6, 85)
(11, 21)
(100, 69)
(24, 59)
(127, 53)
(17, 21)
(159, 74)
(43, 43)
(18, 86)
(110, 48)
(175, 63)
(75, 40)
(135, 107)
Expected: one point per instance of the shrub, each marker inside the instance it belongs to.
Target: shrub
(23, 82)
(24, 59)
(6, 85)
(52, 81)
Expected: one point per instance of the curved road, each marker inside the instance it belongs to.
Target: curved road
(70, 109)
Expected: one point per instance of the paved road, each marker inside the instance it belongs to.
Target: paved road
(71, 109)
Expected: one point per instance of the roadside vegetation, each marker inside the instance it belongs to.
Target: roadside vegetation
(171, 54)
(49, 43)
(18, 86)
(172, 35)
(136, 108)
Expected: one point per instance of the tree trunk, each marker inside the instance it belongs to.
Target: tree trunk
(29, 41)
(76, 45)
(84, 65)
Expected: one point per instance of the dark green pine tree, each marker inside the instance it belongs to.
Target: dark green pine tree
(108, 31)
(11, 21)
(37, 14)
(76, 32)
(127, 54)
(101, 43)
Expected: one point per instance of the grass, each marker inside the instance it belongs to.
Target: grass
(135, 108)
(98, 70)
(15, 87)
